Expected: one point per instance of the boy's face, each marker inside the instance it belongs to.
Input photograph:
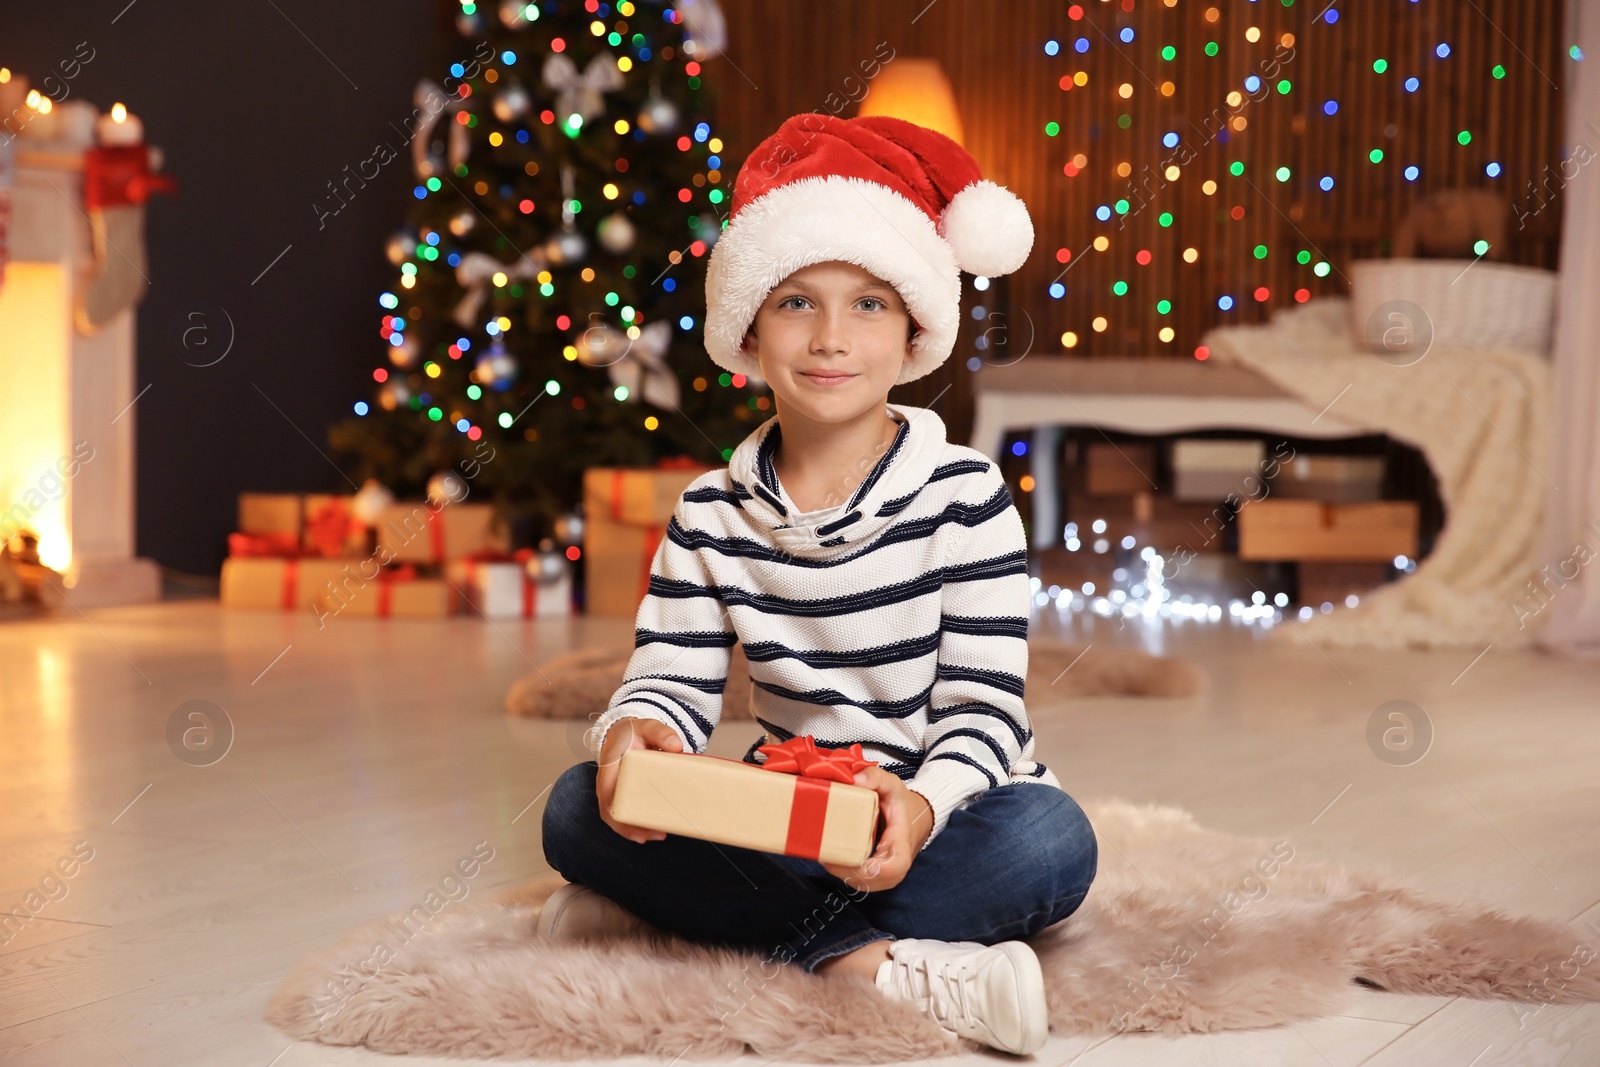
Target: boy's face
(831, 339)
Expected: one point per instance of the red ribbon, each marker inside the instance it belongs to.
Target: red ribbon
(291, 581)
(263, 546)
(817, 768)
(679, 463)
(329, 527)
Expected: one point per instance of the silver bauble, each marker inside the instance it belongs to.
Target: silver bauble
(394, 395)
(569, 529)
(617, 233)
(402, 245)
(370, 501)
(406, 353)
(659, 115)
(512, 103)
(566, 247)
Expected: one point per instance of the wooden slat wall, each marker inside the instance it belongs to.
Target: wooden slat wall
(786, 58)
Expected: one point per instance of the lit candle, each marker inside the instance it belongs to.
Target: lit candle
(42, 119)
(119, 126)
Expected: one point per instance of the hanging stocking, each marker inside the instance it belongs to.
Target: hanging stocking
(117, 181)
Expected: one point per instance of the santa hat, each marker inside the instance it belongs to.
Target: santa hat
(904, 202)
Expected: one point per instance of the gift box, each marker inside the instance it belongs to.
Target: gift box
(1208, 470)
(271, 513)
(1331, 583)
(511, 589)
(1307, 530)
(263, 545)
(626, 512)
(417, 533)
(394, 592)
(1151, 519)
(1334, 479)
(285, 584)
(331, 530)
(1110, 469)
(801, 802)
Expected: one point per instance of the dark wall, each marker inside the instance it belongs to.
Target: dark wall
(257, 107)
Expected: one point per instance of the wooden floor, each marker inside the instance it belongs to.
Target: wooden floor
(370, 756)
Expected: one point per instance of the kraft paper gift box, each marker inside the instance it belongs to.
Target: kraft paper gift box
(1333, 533)
(1111, 469)
(812, 810)
(1334, 479)
(394, 593)
(285, 584)
(508, 589)
(271, 513)
(417, 533)
(626, 512)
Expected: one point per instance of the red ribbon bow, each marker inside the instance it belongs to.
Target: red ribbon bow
(803, 756)
(817, 767)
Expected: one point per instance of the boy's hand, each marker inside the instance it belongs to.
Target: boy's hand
(627, 734)
(908, 820)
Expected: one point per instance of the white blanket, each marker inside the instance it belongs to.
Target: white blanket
(1481, 417)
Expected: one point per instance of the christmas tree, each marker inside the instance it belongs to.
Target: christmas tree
(547, 310)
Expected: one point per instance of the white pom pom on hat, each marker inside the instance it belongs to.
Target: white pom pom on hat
(904, 202)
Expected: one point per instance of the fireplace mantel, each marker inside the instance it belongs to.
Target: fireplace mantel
(66, 395)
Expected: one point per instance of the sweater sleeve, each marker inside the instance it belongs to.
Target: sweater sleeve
(683, 639)
(977, 723)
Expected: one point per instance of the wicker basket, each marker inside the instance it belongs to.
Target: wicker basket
(1469, 303)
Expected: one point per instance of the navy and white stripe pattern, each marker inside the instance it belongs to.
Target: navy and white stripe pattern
(897, 619)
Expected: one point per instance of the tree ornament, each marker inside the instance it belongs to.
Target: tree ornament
(547, 566)
(569, 530)
(580, 94)
(446, 487)
(637, 364)
(477, 270)
(394, 395)
(460, 142)
(432, 104)
(617, 233)
(369, 502)
(495, 367)
(569, 246)
(514, 14)
(405, 353)
(401, 247)
(512, 103)
(706, 32)
(659, 115)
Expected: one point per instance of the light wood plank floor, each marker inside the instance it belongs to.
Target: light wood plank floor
(368, 757)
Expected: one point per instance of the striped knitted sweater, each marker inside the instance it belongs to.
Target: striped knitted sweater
(898, 619)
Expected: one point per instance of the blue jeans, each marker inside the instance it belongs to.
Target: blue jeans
(1017, 859)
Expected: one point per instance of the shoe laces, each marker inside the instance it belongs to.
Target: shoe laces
(943, 992)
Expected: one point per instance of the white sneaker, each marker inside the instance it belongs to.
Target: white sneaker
(576, 913)
(993, 994)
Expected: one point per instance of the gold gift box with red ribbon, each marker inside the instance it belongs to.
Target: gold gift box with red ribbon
(625, 513)
(421, 533)
(288, 584)
(801, 802)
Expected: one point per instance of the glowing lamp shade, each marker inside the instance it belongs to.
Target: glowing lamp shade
(916, 90)
(35, 316)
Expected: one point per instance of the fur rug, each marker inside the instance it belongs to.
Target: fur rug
(1184, 930)
(578, 684)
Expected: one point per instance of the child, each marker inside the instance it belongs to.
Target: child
(875, 575)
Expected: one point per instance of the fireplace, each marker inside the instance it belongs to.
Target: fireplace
(67, 393)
